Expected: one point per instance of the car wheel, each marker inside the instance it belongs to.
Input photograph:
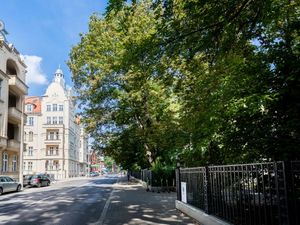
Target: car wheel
(1, 191)
(39, 185)
(19, 188)
(48, 183)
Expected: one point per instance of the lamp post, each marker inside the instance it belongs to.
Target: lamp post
(178, 178)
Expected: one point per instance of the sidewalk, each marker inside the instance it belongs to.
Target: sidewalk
(130, 204)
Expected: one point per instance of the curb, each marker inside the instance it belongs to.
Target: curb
(199, 215)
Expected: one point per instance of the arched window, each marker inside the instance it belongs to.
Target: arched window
(30, 136)
(5, 162)
(11, 67)
(25, 136)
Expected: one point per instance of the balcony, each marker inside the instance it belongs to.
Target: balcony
(14, 115)
(13, 145)
(51, 125)
(52, 140)
(49, 156)
(3, 142)
(52, 168)
(17, 85)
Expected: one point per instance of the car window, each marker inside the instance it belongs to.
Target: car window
(2, 179)
(9, 179)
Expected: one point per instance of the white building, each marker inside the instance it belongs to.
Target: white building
(12, 91)
(55, 141)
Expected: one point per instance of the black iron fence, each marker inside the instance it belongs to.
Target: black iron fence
(258, 194)
(161, 180)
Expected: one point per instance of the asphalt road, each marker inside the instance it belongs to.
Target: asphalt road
(72, 202)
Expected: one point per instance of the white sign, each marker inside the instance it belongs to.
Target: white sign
(183, 192)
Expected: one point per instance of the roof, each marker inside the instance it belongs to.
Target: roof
(35, 101)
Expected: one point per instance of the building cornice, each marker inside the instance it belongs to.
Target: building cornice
(11, 48)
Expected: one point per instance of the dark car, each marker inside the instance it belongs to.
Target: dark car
(39, 181)
(26, 180)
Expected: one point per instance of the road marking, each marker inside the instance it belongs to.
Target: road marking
(104, 211)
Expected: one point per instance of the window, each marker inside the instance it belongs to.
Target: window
(24, 165)
(29, 107)
(30, 164)
(30, 121)
(30, 136)
(5, 163)
(49, 165)
(60, 120)
(25, 136)
(30, 151)
(48, 108)
(52, 135)
(54, 120)
(48, 120)
(61, 107)
(14, 163)
(52, 150)
(54, 107)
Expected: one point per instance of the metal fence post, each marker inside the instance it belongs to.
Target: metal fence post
(207, 196)
(178, 184)
(291, 210)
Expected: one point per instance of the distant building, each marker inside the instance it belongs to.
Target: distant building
(97, 162)
(12, 91)
(55, 141)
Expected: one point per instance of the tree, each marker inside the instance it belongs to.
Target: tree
(210, 82)
(127, 108)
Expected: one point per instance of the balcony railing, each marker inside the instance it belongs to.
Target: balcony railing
(52, 168)
(51, 125)
(3, 142)
(13, 145)
(17, 85)
(14, 114)
(52, 140)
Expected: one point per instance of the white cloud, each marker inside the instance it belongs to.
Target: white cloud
(34, 74)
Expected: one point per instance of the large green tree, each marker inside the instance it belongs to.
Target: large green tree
(209, 81)
(244, 105)
(127, 108)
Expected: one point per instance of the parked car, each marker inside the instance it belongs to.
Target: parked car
(26, 179)
(7, 184)
(39, 181)
(94, 174)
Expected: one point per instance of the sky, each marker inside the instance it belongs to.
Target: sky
(44, 33)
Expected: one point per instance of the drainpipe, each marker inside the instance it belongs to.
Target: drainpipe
(22, 144)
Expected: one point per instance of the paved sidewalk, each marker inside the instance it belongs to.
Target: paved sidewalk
(130, 204)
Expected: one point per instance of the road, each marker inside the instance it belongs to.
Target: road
(77, 201)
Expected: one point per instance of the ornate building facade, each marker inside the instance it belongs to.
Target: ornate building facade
(56, 143)
(12, 92)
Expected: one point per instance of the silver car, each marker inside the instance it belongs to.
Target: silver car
(7, 184)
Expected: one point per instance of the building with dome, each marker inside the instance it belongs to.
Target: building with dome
(56, 143)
